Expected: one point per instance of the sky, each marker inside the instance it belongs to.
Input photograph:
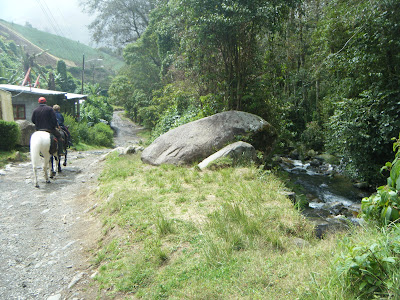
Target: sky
(61, 17)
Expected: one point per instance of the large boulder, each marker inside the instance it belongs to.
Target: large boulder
(197, 140)
(27, 128)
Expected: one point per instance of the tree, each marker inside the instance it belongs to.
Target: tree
(64, 80)
(118, 22)
(361, 47)
(144, 63)
(217, 42)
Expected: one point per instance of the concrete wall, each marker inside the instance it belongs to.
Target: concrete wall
(31, 102)
(6, 109)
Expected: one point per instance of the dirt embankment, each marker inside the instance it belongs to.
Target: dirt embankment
(47, 234)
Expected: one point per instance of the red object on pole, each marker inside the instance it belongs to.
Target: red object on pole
(37, 83)
(27, 78)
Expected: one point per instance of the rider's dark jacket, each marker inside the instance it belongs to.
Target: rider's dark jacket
(44, 117)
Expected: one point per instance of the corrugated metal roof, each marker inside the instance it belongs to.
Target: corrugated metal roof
(30, 90)
(72, 96)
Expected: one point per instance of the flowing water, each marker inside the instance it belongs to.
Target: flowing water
(323, 184)
(333, 199)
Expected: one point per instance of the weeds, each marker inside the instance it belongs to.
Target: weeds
(185, 233)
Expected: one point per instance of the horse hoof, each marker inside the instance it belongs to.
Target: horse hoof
(37, 186)
(48, 181)
(64, 164)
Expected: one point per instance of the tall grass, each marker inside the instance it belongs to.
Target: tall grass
(180, 233)
(183, 233)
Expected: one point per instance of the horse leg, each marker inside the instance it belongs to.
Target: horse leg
(35, 158)
(46, 167)
(65, 158)
(35, 175)
(52, 172)
(59, 165)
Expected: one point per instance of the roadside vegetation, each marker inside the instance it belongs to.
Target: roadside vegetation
(178, 232)
(324, 73)
(93, 129)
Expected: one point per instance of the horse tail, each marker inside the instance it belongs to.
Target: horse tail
(35, 149)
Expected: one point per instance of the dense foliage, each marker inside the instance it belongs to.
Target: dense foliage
(96, 115)
(11, 62)
(325, 73)
(9, 135)
(365, 89)
(96, 135)
(369, 269)
(96, 109)
(383, 207)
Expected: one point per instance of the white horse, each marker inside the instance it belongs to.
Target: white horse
(40, 144)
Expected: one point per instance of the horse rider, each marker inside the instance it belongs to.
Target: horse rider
(45, 118)
(60, 120)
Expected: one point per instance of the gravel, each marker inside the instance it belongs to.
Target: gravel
(47, 234)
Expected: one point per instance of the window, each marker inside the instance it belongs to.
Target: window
(19, 111)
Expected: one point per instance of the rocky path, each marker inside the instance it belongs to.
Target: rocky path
(46, 233)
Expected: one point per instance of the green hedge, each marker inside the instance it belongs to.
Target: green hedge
(98, 135)
(102, 135)
(9, 135)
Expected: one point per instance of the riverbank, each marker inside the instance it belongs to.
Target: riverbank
(177, 232)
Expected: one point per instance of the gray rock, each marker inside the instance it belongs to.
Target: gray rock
(197, 140)
(238, 150)
(75, 280)
(27, 128)
(132, 149)
(300, 243)
(315, 163)
(361, 185)
(290, 195)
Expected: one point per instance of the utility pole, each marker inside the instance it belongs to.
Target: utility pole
(78, 109)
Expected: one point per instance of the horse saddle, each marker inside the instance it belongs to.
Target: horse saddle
(53, 144)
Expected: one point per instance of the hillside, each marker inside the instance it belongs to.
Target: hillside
(35, 41)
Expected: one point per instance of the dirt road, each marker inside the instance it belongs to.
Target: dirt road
(46, 233)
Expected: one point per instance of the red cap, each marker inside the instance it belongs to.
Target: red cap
(42, 100)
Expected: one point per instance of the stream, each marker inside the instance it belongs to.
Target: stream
(333, 200)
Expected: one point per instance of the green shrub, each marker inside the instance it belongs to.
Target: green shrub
(83, 132)
(96, 108)
(79, 130)
(9, 135)
(101, 135)
(72, 125)
(172, 118)
(313, 137)
(384, 206)
(98, 135)
(360, 131)
(370, 268)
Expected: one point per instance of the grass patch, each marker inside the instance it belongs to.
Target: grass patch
(7, 157)
(189, 234)
(223, 234)
(85, 147)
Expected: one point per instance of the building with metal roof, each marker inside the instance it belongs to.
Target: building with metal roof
(25, 99)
